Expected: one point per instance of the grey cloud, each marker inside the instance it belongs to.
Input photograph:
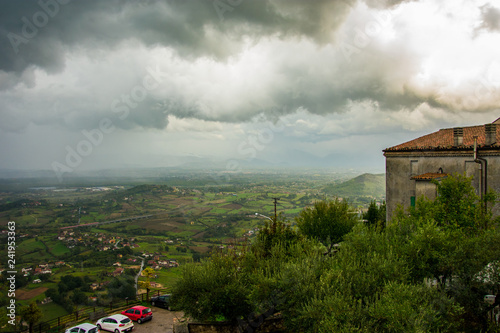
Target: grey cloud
(193, 28)
(381, 4)
(38, 32)
(490, 18)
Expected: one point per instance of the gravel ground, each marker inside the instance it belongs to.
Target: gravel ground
(161, 322)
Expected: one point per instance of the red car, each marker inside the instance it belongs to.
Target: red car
(139, 313)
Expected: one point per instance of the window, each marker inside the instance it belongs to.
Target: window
(413, 167)
(412, 201)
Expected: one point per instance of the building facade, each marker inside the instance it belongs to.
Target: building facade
(411, 166)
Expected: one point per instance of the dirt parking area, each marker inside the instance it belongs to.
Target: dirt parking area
(162, 321)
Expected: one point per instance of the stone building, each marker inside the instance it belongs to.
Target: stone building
(411, 166)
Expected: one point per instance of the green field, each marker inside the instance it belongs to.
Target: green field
(52, 310)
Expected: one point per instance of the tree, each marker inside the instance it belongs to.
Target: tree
(327, 221)
(78, 297)
(276, 232)
(31, 314)
(218, 286)
(457, 205)
(54, 295)
(148, 273)
(452, 241)
(122, 287)
(375, 215)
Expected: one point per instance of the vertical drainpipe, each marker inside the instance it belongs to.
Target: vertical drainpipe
(483, 168)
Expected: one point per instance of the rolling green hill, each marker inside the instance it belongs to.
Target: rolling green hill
(364, 185)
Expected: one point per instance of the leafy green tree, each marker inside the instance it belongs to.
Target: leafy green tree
(375, 215)
(54, 295)
(78, 297)
(122, 287)
(371, 215)
(218, 286)
(31, 314)
(327, 221)
(62, 287)
(71, 282)
(452, 241)
(273, 233)
(457, 205)
(148, 273)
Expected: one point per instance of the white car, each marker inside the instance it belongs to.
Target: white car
(83, 328)
(117, 323)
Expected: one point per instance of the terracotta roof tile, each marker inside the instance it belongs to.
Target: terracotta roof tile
(430, 176)
(443, 139)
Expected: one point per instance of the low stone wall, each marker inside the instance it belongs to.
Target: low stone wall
(269, 325)
(221, 327)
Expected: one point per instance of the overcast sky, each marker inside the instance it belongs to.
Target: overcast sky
(101, 84)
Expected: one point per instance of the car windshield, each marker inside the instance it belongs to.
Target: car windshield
(93, 330)
(125, 320)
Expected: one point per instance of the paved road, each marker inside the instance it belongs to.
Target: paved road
(139, 274)
(161, 322)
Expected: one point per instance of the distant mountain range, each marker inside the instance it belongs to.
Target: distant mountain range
(366, 184)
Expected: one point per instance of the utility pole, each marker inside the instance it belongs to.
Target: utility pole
(275, 212)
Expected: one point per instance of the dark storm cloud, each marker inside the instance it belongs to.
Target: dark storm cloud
(38, 32)
(43, 35)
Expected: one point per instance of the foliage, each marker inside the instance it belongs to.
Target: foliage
(218, 286)
(31, 314)
(148, 273)
(122, 287)
(375, 215)
(68, 283)
(274, 232)
(457, 205)
(78, 297)
(327, 221)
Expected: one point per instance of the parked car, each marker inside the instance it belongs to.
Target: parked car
(162, 301)
(139, 313)
(83, 328)
(116, 323)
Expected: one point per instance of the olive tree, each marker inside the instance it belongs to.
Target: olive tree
(327, 221)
